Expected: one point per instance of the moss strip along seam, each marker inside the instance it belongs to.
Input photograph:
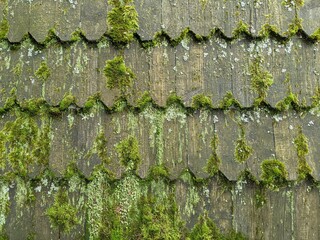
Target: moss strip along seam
(160, 37)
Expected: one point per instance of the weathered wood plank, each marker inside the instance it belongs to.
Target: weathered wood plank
(273, 13)
(227, 130)
(306, 212)
(42, 18)
(148, 10)
(310, 13)
(285, 131)
(19, 19)
(94, 11)
(68, 19)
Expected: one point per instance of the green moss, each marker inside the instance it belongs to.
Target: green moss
(261, 79)
(33, 106)
(268, 29)
(144, 101)
(201, 101)
(67, 100)
(274, 174)
(17, 70)
(288, 102)
(24, 144)
(301, 144)
(118, 74)
(184, 35)
(242, 151)
(174, 99)
(100, 147)
(205, 229)
(242, 28)
(293, 3)
(214, 161)
(316, 35)
(203, 3)
(92, 101)
(260, 197)
(294, 27)
(159, 219)
(122, 21)
(62, 215)
(120, 105)
(12, 100)
(229, 101)
(158, 171)
(128, 151)
(4, 25)
(77, 35)
(123, 205)
(43, 72)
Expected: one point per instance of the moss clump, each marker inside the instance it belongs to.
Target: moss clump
(268, 29)
(159, 219)
(243, 150)
(261, 80)
(316, 35)
(301, 143)
(43, 72)
(274, 174)
(295, 26)
(92, 100)
(118, 74)
(33, 106)
(62, 215)
(67, 100)
(242, 28)
(128, 151)
(144, 101)
(77, 35)
(158, 171)
(174, 99)
(12, 100)
(24, 145)
(205, 229)
(122, 21)
(201, 101)
(229, 101)
(214, 161)
(291, 100)
(120, 105)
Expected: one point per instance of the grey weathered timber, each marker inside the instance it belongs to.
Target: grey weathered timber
(213, 69)
(150, 18)
(305, 221)
(43, 18)
(309, 13)
(172, 17)
(93, 11)
(176, 140)
(227, 128)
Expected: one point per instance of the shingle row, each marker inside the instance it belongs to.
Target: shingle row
(39, 16)
(170, 138)
(215, 68)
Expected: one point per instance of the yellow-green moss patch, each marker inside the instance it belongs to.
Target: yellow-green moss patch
(274, 173)
(118, 75)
